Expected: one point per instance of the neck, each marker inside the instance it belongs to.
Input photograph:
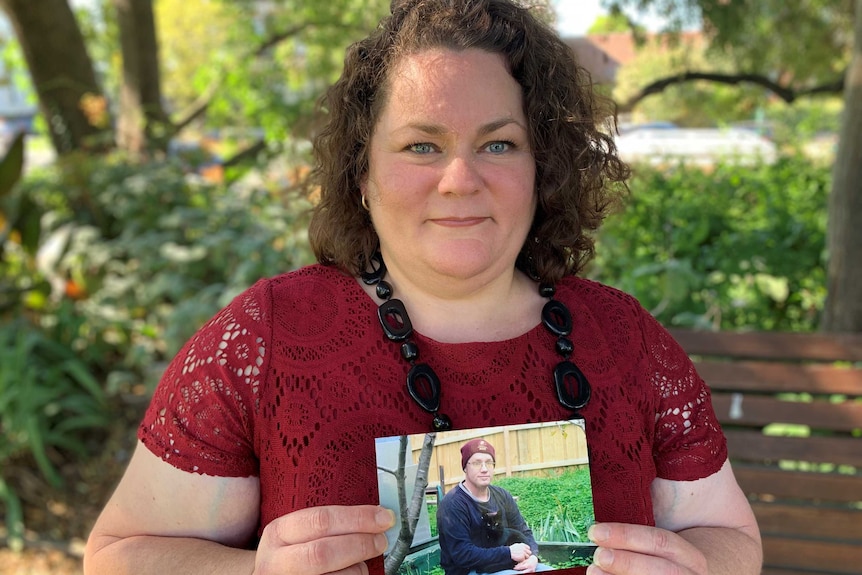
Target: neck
(480, 493)
(467, 311)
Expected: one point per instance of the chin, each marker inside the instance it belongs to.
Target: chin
(463, 262)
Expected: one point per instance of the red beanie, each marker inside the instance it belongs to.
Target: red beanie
(475, 446)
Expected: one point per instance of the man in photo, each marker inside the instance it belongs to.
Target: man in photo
(480, 527)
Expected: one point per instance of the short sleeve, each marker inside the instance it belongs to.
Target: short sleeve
(689, 443)
(201, 416)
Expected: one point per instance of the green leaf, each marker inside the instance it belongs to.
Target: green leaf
(14, 516)
(12, 165)
(37, 446)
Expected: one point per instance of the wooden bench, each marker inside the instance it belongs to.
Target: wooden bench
(791, 407)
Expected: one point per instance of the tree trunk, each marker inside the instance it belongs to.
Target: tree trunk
(843, 310)
(396, 557)
(142, 121)
(69, 95)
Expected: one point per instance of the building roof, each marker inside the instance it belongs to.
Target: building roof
(603, 54)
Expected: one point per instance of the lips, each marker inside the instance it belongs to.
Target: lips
(459, 222)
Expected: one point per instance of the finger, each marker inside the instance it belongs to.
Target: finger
(640, 539)
(643, 549)
(616, 562)
(316, 523)
(342, 554)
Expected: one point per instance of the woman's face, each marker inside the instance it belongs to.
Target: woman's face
(451, 175)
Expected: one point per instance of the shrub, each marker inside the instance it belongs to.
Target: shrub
(147, 253)
(48, 400)
(737, 247)
(551, 505)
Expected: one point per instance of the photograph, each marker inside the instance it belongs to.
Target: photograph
(487, 501)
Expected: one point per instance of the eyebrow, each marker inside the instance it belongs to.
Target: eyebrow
(489, 128)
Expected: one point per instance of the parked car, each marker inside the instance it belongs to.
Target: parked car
(702, 146)
(657, 125)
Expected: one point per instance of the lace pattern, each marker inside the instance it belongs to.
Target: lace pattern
(293, 380)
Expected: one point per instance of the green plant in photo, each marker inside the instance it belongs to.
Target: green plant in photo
(557, 508)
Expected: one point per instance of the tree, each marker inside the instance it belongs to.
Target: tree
(70, 98)
(408, 514)
(142, 121)
(793, 49)
(843, 310)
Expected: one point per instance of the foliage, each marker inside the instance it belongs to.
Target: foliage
(805, 41)
(561, 525)
(18, 220)
(791, 127)
(144, 254)
(554, 504)
(690, 104)
(738, 247)
(611, 23)
(262, 67)
(48, 400)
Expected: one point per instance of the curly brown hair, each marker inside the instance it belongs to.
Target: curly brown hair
(579, 176)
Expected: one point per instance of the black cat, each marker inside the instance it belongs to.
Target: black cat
(498, 534)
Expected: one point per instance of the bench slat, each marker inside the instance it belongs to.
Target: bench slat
(781, 520)
(743, 409)
(771, 345)
(753, 446)
(780, 377)
(821, 557)
(784, 484)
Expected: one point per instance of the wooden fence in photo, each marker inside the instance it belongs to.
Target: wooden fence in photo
(535, 449)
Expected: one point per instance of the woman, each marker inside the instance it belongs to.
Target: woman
(463, 146)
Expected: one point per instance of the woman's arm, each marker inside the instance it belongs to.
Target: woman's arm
(164, 520)
(702, 527)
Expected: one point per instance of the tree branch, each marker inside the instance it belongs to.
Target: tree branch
(201, 104)
(789, 95)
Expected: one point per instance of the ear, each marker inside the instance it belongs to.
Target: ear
(363, 183)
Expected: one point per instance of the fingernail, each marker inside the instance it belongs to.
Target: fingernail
(385, 517)
(603, 557)
(380, 542)
(598, 533)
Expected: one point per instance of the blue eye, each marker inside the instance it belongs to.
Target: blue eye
(421, 148)
(499, 147)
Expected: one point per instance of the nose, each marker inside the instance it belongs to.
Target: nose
(460, 176)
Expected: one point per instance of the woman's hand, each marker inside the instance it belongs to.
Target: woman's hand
(641, 550)
(331, 539)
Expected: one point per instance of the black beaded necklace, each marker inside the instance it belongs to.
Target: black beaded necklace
(423, 385)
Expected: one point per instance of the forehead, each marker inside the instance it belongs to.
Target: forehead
(466, 82)
(481, 457)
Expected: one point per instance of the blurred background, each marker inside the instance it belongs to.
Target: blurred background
(154, 153)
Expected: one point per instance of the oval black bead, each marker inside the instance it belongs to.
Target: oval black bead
(394, 320)
(410, 351)
(565, 347)
(378, 270)
(428, 395)
(383, 290)
(547, 290)
(557, 318)
(441, 422)
(567, 395)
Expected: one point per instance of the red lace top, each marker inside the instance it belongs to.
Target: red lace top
(294, 379)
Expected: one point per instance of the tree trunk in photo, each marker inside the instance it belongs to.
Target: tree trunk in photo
(69, 95)
(142, 121)
(409, 514)
(843, 310)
